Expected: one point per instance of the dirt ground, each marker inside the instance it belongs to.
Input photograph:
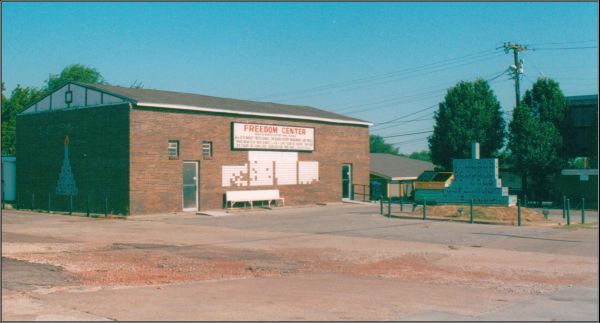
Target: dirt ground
(284, 262)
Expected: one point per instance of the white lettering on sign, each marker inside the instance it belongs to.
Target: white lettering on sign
(272, 137)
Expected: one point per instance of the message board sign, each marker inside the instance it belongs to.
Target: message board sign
(272, 137)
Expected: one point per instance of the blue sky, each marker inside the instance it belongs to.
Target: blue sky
(396, 58)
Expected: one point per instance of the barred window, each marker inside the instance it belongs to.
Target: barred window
(173, 149)
(207, 149)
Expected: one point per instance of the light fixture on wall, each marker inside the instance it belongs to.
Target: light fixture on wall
(69, 97)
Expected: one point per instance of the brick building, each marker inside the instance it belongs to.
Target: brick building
(136, 151)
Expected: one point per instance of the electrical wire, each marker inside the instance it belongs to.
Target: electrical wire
(381, 76)
(368, 101)
(404, 122)
(409, 141)
(565, 43)
(407, 134)
(399, 78)
(494, 76)
(562, 48)
(405, 116)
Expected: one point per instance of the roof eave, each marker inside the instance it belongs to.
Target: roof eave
(404, 178)
(85, 85)
(262, 114)
(372, 172)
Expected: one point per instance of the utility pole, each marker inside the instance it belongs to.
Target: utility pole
(517, 69)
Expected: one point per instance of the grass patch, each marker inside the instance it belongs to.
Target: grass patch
(477, 214)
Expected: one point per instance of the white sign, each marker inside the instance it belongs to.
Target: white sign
(272, 137)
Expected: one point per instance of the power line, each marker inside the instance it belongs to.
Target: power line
(417, 96)
(405, 116)
(495, 76)
(388, 98)
(407, 134)
(535, 66)
(480, 54)
(530, 80)
(395, 79)
(563, 48)
(396, 123)
(565, 43)
(393, 99)
(379, 98)
(344, 83)
(403, 123)
(416, 99)
(411, 140)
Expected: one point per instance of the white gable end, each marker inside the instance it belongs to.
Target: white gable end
(81, 97)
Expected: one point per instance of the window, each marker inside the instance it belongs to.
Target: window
(207, 149)
(69, 97)
(173, 149)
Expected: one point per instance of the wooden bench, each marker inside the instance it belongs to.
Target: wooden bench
(233, 197)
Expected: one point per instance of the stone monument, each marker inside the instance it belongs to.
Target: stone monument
(476, 179)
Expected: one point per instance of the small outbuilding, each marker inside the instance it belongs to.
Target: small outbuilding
(393, 176)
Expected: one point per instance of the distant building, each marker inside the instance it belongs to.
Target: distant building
(583, 120)
(393, 176)
(581, 182)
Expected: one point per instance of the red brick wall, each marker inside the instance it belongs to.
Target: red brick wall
(156, 181)
(98, 154)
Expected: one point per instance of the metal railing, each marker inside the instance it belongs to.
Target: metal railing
(84, 203)
(386, 207)
(363, 191)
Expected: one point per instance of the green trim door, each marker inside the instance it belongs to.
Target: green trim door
(190, 186)
(346, 181)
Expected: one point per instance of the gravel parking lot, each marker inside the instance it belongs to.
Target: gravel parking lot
(334, 262)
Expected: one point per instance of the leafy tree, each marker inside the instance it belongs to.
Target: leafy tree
(534, 145)
(20, 98)
(74, 72)
(470, 112)
(539, 136)
(421, 155)
(4, 100)
(378, 145)
(548, 103)
(5, 128)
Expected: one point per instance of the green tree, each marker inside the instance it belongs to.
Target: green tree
(547, 102)
(534, 145)
(539, 136)
(378, 145)
(74, 72)
(20, 98)
(470, 112)
(421, 155)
